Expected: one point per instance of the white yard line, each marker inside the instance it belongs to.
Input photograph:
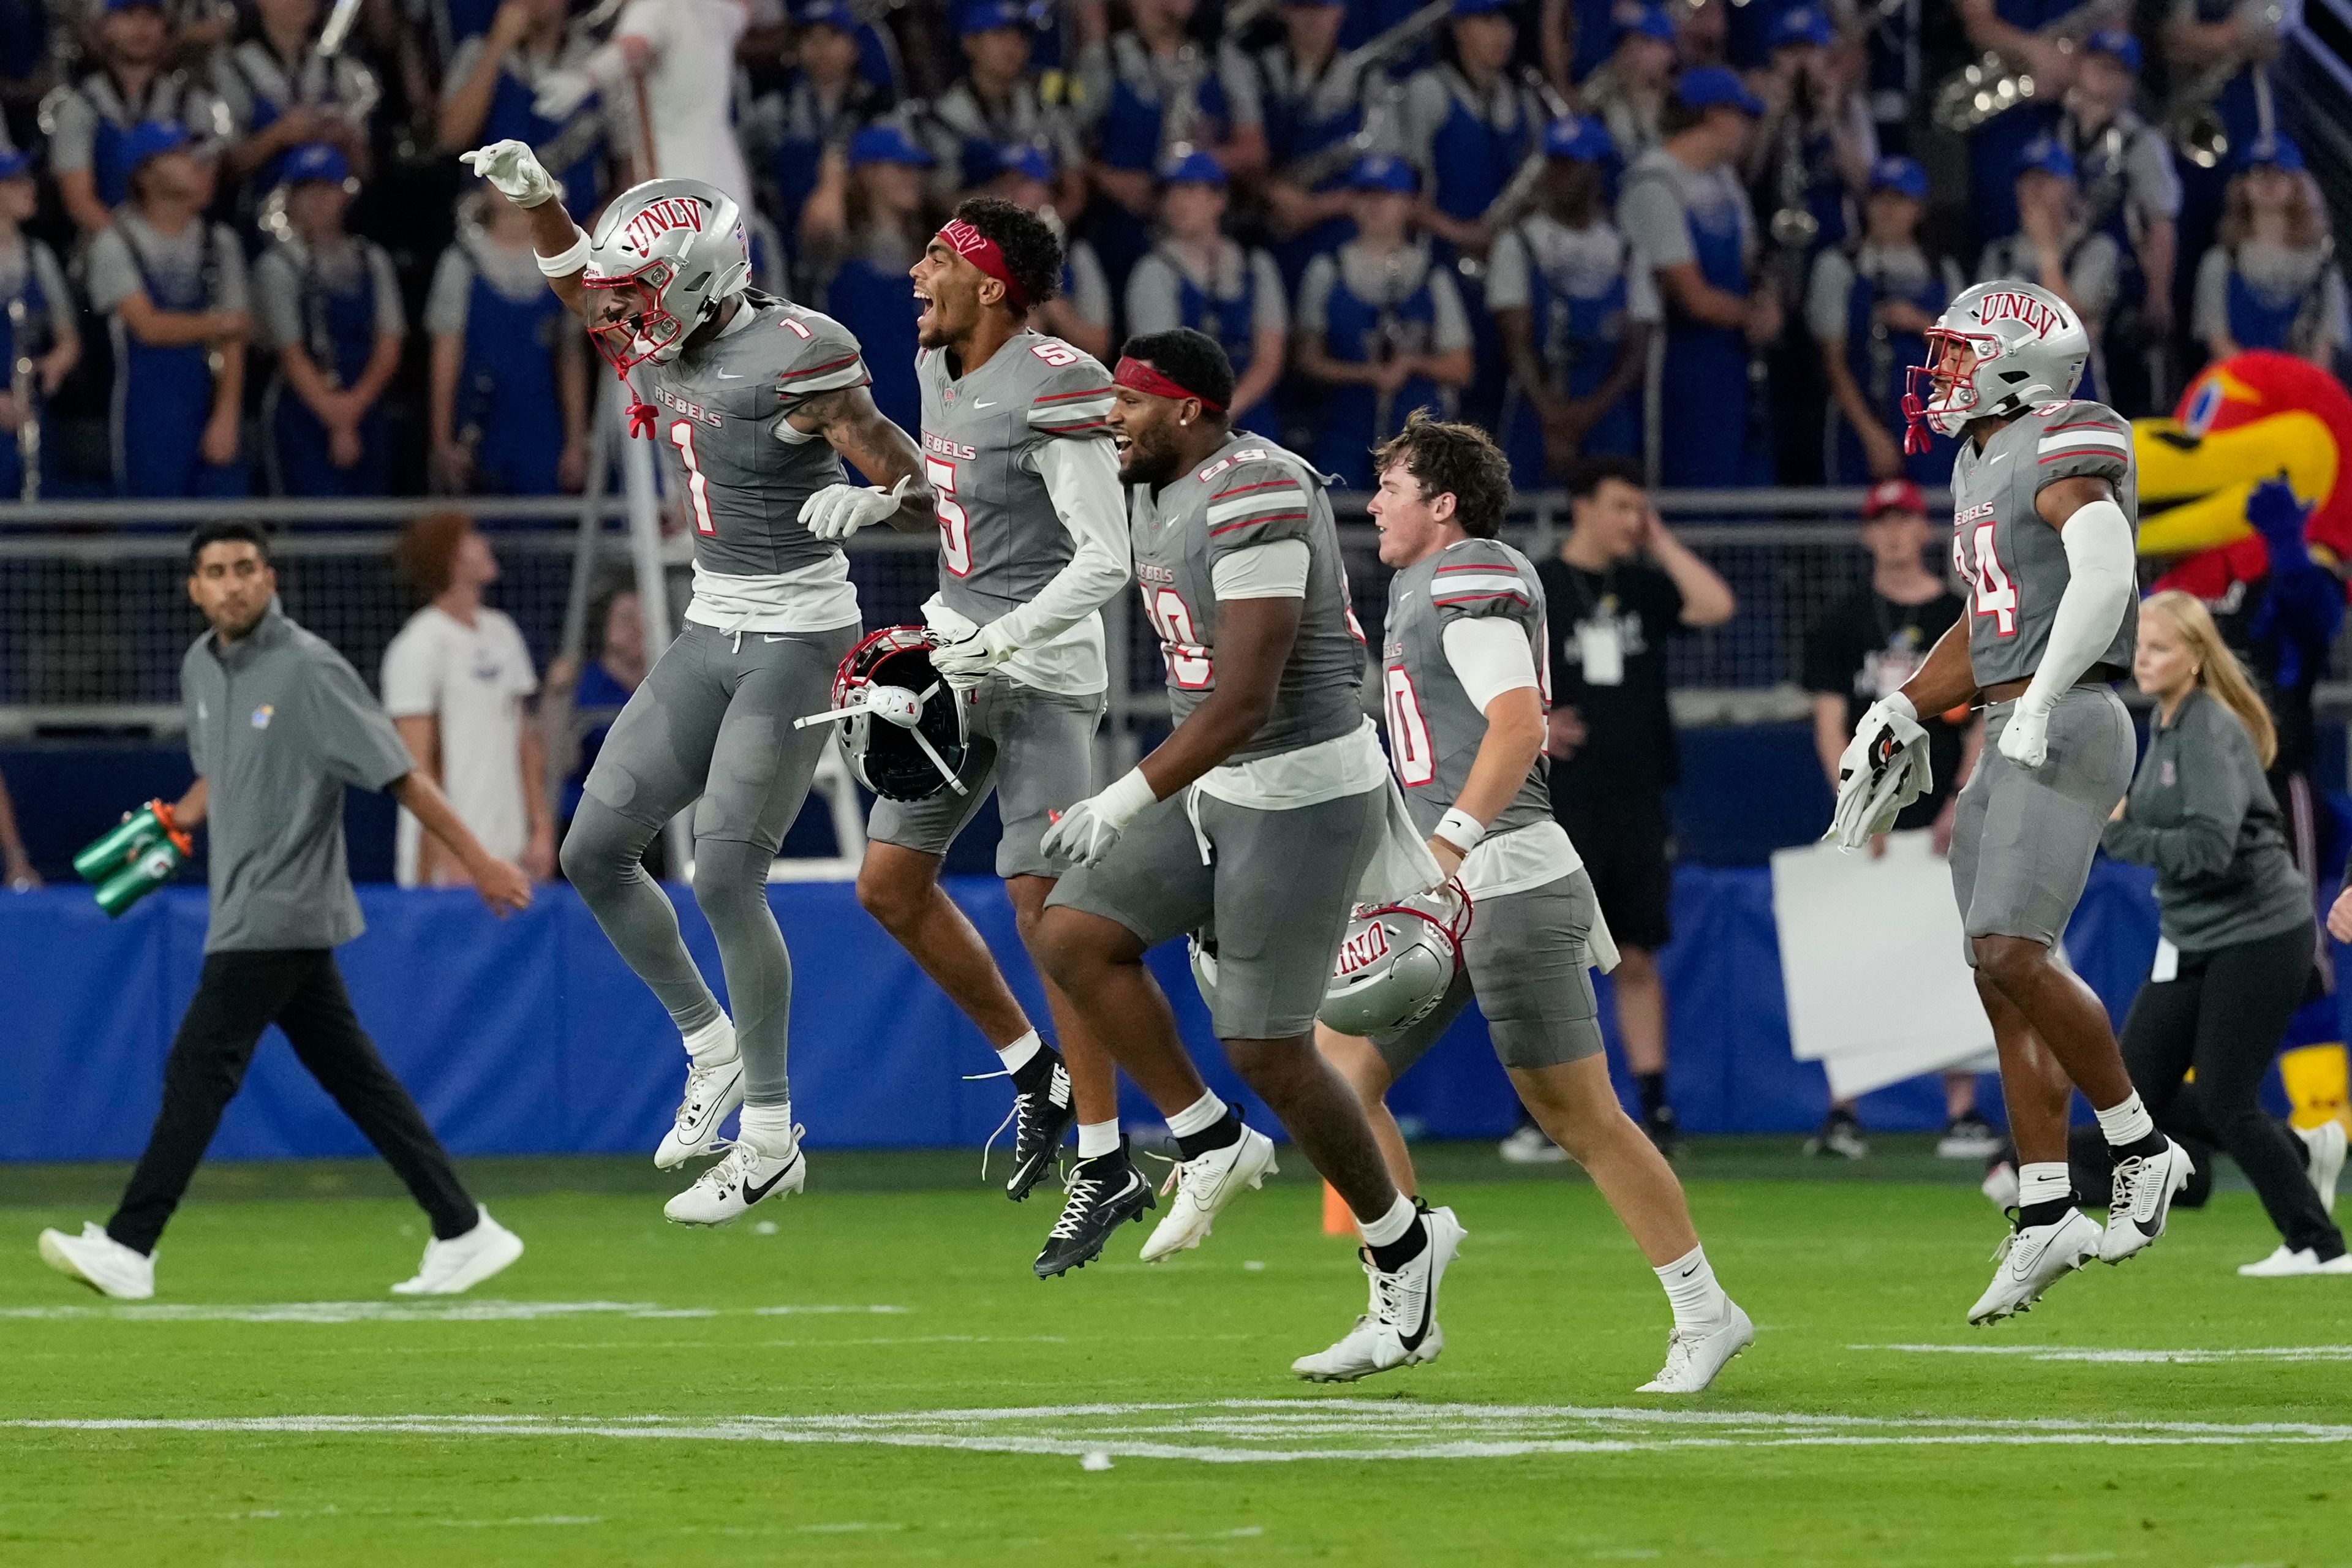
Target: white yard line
(455, 1311)
(2110, 1356)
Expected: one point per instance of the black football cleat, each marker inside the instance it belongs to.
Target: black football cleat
(1105, 1193)
(1042, 1119)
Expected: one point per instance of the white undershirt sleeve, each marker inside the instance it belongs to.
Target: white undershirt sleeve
(1490, 656)
(1082, 479)
(2101, 560)
(1274, 570)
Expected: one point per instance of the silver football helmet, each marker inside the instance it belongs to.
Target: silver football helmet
(682, 242)
(1397, 961)
(2029, 346)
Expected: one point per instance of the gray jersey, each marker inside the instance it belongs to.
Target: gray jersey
(1001, 541)
(1434, 727)
(1251, 492)
(742, 470)
(2013, 563)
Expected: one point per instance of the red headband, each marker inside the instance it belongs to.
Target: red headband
(986, 254)
(1143, 377)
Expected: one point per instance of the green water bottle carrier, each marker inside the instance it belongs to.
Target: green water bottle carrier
(137, 856)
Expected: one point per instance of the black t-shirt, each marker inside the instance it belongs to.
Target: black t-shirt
(1629, 750)
(1866, 647)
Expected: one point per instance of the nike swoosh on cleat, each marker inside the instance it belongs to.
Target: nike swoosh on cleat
(753, 1192)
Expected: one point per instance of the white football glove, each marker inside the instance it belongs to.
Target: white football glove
(967, 661)
(513, 170)
(1084, 834)
(1882, 768)
(2026, 739)
(836, 512)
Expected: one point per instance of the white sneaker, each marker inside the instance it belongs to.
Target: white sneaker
(1695, 1355)
(1204, 1186)
(713, 1088)
(2033, 1259)
(2285, 1263)
(745, 1177)
(100, 1262)
(454, 1266)
(2327, 1142)
(1529, 1145)
(1399, 1326)
(2000, 1185)
(2143, 1197)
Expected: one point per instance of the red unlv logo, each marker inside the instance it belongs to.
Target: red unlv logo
(2011, 306)
(659, 217)
(1364, 948)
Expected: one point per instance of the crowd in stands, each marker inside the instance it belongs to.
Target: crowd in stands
(1701, 235)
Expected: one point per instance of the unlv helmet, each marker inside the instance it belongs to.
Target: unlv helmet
(2029, 348)
(903, 725)
(682, 242)
(1397, 961)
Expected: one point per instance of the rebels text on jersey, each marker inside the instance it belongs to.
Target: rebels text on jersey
(2013, 563)
(1434, 727)
(1250, 492)
(720, 422)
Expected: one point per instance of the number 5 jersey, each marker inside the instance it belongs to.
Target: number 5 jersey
(2011, 562)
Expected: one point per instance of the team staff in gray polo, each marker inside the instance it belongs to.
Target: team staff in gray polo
(279, 726)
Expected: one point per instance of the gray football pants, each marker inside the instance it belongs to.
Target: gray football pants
(713, 720)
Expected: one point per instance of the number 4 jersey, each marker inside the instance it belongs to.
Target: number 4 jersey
(2013, 563)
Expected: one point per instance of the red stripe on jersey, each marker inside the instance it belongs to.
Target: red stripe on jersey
(1253, 522)
(1497, 566)
(2086, 452)
(818, 370)
(1068, 396)
(1265, 485)
(2114, 427)
(1080, 428)
(1473, 598)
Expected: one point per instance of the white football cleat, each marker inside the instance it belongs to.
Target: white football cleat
(745, 1177)
(2144, 1187)
(1399, 1326)
(713, 1090)
(1204, 1186)
(2033, 1259)
(2285, 1263)
(1695, 1355)
(454, 1266)
(2326, 1164)
(100, 1262)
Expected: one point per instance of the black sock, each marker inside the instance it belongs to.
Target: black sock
(2044, 1213)
(1225, 1133)
(1651, 1087)
(1403, 1249)
(2146, 1148)
(1035, 1075)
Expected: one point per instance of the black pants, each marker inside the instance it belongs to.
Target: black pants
(2224, 1016)
(300, 991)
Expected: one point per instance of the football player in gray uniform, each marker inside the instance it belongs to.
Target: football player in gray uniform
(2045, 531)
(1259, 822)
(1032, 541)
(1462, 681)
(753, 402)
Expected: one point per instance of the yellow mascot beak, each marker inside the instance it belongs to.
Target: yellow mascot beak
(2201, 482)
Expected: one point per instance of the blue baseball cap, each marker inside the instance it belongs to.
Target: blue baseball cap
(153, 139)
(318, 161)
(885, 143)
(14, 162)
(1586, 140)
(826, 14)
(2278, 152)
(1194, 169)
(1649, 21)
(1025, 158)
(1383, 173)
(1902, 175)
(1480, 7)
(1712, 87)
(989, 16)
(1802, 24)
(2045, 153)
(2116, 42)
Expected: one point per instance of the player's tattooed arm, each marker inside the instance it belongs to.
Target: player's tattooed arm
(1945, 679)
(865, 436)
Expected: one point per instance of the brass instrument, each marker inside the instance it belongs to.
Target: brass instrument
(1383, 98)
(1989, 86)
(2192, 122)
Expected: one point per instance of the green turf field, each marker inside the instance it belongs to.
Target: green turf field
(879, 1380)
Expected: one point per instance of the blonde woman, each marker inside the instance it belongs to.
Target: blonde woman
(2270, 280)
(2237, 925)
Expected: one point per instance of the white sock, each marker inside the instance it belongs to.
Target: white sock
(1389, 1228)
(713, 1043)
(2043, 1183)
(767, 1128)
(2126, 1120)
(1017, 1055)
(1096, 1139)
(1698, 1300)
(1198, 1117)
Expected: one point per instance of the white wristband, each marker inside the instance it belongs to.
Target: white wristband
(1125, 799)
(1895, 702)
(574, 260)
(1461, 829)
